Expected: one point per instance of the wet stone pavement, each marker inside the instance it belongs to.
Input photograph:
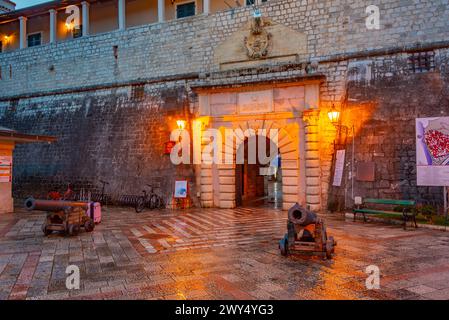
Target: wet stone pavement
(216, 254)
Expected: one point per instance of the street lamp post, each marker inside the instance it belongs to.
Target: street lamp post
(334, 117)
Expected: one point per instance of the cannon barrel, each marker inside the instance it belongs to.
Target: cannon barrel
(301, 216)
(52, 205)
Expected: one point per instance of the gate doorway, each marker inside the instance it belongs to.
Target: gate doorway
(292, 108)
(256, 183)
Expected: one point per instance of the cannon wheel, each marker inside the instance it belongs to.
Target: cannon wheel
(330, 247)
(334, 243)
(73, 229)
(140, 204)
(328, 252)
(89, 226)
(283, 246)
(45, 230)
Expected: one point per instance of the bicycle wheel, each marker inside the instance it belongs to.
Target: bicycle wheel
(154, 202)
(140, 204)
(161, 203)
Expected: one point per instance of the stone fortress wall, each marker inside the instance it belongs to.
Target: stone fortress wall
(112, 99)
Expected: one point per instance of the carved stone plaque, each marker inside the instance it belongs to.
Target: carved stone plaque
(223, 104)
(255, 102)
(289, 99)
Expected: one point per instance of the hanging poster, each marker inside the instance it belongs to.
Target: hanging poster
(339, 166)
(432, 151)
(5, 168)
(181, 189)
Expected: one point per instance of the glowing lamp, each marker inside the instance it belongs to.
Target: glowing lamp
(69, 26)
(6, 39)
(181, 124)
(334, 115)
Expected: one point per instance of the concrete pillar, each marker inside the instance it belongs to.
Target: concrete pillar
(85, 6)
(52, 25)
(23, 32)
(161, 10)
(206, 6)
(122, 14)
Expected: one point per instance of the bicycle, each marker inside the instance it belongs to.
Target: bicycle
(102, 197)
(150, 200)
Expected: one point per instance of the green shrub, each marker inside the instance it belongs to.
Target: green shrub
(440, 220)
(427, 210)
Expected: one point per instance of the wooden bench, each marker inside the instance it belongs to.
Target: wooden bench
(407, 213)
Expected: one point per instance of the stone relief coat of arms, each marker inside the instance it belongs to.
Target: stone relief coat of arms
(258, 41)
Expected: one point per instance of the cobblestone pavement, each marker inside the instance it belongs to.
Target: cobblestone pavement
(216, 254)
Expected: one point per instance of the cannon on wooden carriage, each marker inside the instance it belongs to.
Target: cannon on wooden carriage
(66, 216)
(306, 234)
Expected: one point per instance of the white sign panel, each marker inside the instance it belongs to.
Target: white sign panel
(339, 166)
(432, 151)
(181, 189)
(5, 168)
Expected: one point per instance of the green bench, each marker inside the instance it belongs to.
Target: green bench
(407, 213)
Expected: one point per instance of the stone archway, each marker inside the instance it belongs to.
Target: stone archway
(288, 145)
(298, 144)
(256, 173)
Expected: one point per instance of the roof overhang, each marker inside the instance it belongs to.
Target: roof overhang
(12, 136)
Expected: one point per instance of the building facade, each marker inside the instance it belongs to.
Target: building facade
(7, 6)
(112, 91)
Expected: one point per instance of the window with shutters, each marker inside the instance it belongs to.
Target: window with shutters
(185, 10)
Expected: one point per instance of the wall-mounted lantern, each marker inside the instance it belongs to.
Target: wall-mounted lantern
(69, 27)
(334, 115)
(7, 39)
(181, 124)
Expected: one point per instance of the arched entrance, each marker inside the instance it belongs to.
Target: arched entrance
(292, 110)
(220, 182)
(258, 180)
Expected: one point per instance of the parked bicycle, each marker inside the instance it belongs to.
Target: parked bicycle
(102, 197)
(149, 200)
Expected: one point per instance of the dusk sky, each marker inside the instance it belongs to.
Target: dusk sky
(27, 3)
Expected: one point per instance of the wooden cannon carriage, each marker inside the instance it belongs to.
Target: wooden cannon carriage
(306, 234)
(66, 216)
